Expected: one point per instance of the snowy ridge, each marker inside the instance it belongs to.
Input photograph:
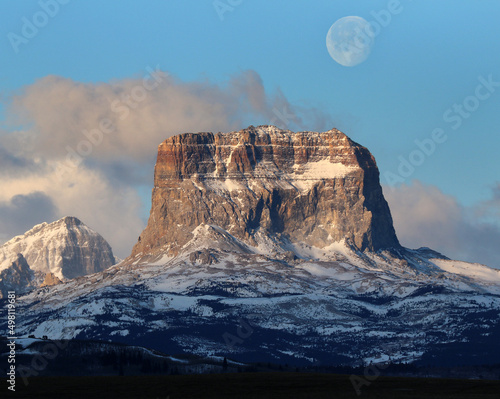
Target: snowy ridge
(388, 313)
(273, 267)
(481, 273)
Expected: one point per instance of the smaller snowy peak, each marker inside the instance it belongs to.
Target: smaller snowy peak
(67, 222)
(67, 248)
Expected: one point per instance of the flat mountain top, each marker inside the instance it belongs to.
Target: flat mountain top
(316, 188)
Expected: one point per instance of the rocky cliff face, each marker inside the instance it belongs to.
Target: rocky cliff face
(314, 188)
(67, 248)
(16, 277)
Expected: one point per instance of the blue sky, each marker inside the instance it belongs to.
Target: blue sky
(428, 57)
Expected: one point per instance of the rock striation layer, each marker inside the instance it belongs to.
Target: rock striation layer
(309, 187)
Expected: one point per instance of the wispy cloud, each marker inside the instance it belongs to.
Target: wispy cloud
(56, 117)
(425, 216)
(21, 212)
(63, 111)
(490, 209)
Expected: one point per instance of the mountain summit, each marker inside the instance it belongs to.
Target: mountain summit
(307, 187)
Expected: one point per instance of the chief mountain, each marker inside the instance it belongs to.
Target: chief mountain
(269, 245)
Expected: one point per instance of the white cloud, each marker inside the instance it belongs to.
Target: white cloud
(425, 216)
(111, 131)
(62, 111)
(22, 211)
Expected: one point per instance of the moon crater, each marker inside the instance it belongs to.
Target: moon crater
(349, 40)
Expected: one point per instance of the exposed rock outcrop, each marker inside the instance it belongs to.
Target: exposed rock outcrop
(16, 277)
(315, 188)
(50, 279)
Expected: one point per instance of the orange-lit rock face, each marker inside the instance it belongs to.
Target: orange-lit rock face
(315, 188)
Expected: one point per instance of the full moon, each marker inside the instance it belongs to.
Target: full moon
(350, 40)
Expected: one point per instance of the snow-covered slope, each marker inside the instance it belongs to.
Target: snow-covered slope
(481, 273)
(277, 301)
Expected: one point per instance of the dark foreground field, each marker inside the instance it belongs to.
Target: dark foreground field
(250, 385)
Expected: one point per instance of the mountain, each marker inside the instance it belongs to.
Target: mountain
(66, 249)
(268, 245)
(311, 187)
